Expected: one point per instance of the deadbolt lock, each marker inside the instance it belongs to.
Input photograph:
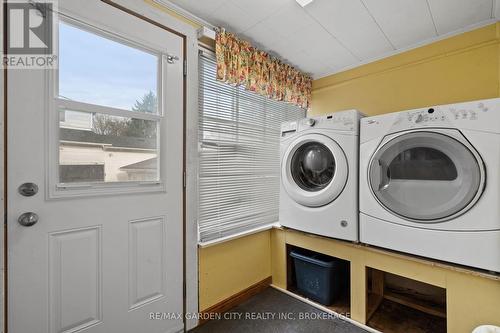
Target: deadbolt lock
(28, 189)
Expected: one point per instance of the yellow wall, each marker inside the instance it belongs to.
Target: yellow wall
(230, 267)
(472, 298)
(461, 68)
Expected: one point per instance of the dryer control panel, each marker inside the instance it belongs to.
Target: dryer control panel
(468, 111)
(471, 115)
(483, 115)
(429, 117)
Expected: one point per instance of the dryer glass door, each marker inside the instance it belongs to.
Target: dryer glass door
(426, 176)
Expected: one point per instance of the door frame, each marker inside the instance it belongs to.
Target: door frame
(166, 19)
(3, 177)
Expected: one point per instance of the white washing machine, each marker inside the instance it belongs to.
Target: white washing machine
(430, 183)
(319, 175)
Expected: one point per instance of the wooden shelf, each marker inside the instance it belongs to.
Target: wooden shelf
(372, 304)
(392, 317)
(403, 309)
(435, 290)
(341, 306)
(495, 276)
(416, 304)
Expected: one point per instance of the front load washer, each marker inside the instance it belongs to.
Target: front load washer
(430, 183)
(319, 175)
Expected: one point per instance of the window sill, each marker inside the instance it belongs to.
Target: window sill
(238, 235)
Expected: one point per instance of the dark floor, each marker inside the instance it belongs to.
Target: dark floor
(297, 317)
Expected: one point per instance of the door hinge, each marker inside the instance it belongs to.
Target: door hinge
(185, 69)
(184, 179)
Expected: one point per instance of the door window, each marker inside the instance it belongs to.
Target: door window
(312, 166)
(109, 109)
(101, 71)
(425, 176)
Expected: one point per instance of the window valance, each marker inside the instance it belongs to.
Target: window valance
(239, 63)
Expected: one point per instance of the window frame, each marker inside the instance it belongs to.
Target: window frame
(54, 104)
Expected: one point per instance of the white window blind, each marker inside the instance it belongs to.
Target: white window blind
(239, 142)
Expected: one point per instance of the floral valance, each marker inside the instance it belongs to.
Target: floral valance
(239, 63)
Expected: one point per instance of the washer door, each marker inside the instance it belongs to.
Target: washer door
(425, 176)
(314, 170)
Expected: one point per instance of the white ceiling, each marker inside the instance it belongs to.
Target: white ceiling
(328, 36)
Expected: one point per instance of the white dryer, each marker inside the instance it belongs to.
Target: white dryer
(430, 182)
(319, 175)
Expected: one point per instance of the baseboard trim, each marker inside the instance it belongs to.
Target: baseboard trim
(236, 299)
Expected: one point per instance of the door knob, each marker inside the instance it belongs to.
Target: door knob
(28, 219)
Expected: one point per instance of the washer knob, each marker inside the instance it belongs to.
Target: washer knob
(310, 122)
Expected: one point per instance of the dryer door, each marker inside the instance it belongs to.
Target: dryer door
(426, 176)
(314, 170)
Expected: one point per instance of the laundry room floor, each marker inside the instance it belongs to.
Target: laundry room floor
(262, 307)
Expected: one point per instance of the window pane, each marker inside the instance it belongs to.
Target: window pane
(97, 70)
(111, 149)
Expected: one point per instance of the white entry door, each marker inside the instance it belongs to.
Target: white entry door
(102, 139)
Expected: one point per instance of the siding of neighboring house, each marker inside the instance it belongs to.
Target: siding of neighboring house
(115, 159)
(73, 153)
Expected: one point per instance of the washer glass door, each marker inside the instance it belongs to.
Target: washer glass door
(427, 176)
(312, 166)
(314, 170)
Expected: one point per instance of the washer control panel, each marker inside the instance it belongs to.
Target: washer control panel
(338, 120)
(288, 128)
(341, 118)
(342, 121)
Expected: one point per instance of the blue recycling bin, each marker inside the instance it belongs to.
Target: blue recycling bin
(320, 277)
